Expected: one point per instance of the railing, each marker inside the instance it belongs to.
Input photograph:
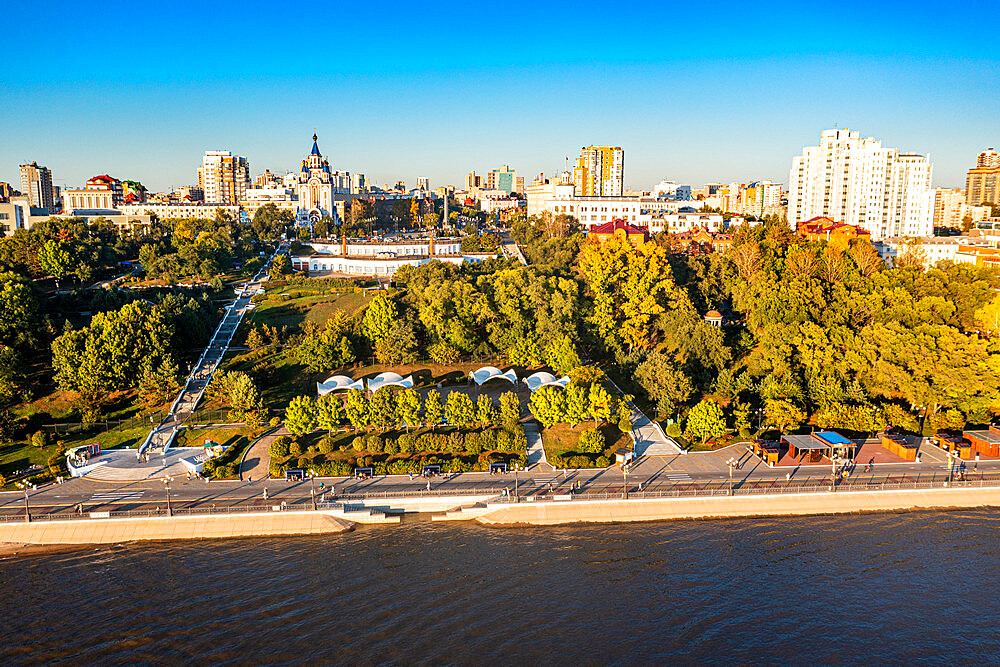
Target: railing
(104, 426)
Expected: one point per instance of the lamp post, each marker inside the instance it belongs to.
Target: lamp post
(312, 490)
(516, 498)
(27, 512)
(834, 460)
(732, 463)
(951, 467)
(166, 481)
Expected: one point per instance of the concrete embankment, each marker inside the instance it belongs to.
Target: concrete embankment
(109, 531)
(707, 507)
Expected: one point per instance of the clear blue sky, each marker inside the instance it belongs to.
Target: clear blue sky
(692, 92)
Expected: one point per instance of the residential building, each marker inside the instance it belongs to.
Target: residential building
(133, 192)
(181, 210)
(494, 203)
(36, 185)
(224, 178)
(283, 198)
(559, 197)
(860, 182)
(618, 229)
(666, 189)
(952, 210)
(423, 183)
(267, 180)
(685, 220)
(15, 214)
(100, 193)
(473, 181)
(189, 193)
(359, 185)
(938, 248)
(835, 233)
(519, 184)
(600, 171)
(503, 178)
(982, 183)
(6, 191)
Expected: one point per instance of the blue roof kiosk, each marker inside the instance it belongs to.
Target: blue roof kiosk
(818, 445)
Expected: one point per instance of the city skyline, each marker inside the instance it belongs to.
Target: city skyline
(706, 105)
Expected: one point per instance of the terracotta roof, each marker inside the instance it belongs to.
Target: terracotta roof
(615, 225)
(713, 315)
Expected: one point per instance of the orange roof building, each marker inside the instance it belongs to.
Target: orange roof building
(620, 228)
(835, 233)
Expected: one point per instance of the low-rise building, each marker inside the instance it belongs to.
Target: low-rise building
(181, 210)
(618, 229)
(684, 220)
(836, 233)
(939, 248)
(381, 258)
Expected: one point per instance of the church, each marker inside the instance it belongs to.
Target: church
(315, 186)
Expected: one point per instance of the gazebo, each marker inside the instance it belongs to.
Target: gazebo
(543, 379)
(338, 383)
(487, 373)
(389, 379)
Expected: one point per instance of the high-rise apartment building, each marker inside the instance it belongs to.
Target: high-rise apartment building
(951, 209)
(423, 183)
(982, 183)
(473, 180)
(36, 185)
(860, 182)
(267, 180)
(359, 185)
(224, 177)
(600, 171)
(503, 178)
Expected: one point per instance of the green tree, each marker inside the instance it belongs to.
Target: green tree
(783, 414)
(486, 413)
(561, 355)
(601, 404)
(382, 409)
(591, 442)
(245, 401)
(548, 404)
(577, 404)
(280, 266)
(459, 409)
(408, 407)
(379, 318)
(300, 416)
(665, 383)
(157, 385)
(433, 408)
(706, 420)
(510, 409)
(55, 260)
(329, 412)
(18, 310)
(357, 408)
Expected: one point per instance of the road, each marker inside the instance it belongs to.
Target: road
(655, 473)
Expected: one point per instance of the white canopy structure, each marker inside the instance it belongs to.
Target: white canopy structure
(487, 373)
(389, 379)
(338, 383)
(543, 379)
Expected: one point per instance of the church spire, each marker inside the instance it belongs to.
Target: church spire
(315, 148)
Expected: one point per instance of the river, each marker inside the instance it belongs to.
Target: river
(871, 588)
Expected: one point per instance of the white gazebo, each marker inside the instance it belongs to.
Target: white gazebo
(338, 383)
(487, 373)
(389, 380)
(543, 379)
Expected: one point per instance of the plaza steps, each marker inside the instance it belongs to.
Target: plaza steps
(361, 515)
(106, 473)
(464, 513)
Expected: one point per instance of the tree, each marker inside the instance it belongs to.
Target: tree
(591, 442)
(11, 375)
(357, 408)
(18, 310)
(665, 383)
(510, 409)
(280, 266)
(577, 404)
(561, 355)
(601, 405)
(39, 439)
(989, 317)
(548, 404)
(459, 409)
(783, 414)
(486, 413)
(382, 409)
(329, 411)
(379, 318)
(158, 385)
(255, 340)
(747, 259)
(54, 259)
(245, 401)
(433, 408)
(408, 407)
(300, 416)
(706, 420)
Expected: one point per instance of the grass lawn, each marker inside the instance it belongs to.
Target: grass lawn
(20, 456)
(295, 304)
(561, 438)
(195, 437)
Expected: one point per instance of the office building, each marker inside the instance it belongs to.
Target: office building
(503, 178)
(982, 183)
(600, 171)
(36, 185)
(860, 182)
(423, 183)
(224, 178)
(359, 185)
(100, 193)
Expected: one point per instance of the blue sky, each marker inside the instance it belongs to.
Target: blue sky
(693, 93)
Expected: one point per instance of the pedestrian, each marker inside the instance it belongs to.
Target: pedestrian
(249, 479)
(265, 493)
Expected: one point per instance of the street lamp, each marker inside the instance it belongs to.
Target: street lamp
(27, 512)
(951, 467)
(516, 498)
(312, 491)
(834, 460)
(732, 463)
(166, 481)
(625, 480)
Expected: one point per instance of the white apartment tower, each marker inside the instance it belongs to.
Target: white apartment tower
(224, 178)
(860, 182)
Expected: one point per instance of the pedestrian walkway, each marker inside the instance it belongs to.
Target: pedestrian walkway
(649, 439)
(536, 453)
(256, 461)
